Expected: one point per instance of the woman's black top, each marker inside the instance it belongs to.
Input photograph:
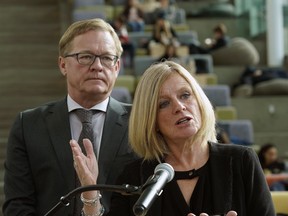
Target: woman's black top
(174, 202)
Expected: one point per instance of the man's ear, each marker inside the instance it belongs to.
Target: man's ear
(62, 65)
(118, 66)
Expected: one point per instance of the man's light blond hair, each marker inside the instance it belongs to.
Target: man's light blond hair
(83, 26)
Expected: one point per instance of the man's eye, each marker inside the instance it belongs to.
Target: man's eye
(107, 58)
(86, 57)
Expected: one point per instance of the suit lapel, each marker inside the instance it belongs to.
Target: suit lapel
(115, 128)
(57, 119)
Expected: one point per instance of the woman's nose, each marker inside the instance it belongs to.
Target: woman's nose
(179, 106)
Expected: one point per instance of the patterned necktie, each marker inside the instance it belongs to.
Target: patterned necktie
(85, 116)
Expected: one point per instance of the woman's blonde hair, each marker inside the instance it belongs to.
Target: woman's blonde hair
(83, 26)
(145, 140)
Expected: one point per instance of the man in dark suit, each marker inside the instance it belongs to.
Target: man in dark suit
(39, 164)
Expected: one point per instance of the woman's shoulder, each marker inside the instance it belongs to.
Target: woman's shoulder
(239, 155)
(232, 150)
(140, 163)
(137, 171)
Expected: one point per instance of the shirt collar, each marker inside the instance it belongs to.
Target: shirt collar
(72, 105)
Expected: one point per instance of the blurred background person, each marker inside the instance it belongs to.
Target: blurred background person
(170, 53)
(274, 168)
(163, 35)
(128, 47)
(134, 16)
(270, 162)
(168, 8)
(219, 40)
(221, 133)
(163, 31)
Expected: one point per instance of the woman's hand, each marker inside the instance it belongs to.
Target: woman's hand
(230, 213)
(86, 166)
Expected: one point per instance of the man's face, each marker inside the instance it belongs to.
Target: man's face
(90, 82)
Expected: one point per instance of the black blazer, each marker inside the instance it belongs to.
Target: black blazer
(39, 164)
(238, 184)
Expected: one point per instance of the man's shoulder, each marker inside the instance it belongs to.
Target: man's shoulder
(117, 105)
(45, 107)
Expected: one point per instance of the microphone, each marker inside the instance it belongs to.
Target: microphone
(163, 174)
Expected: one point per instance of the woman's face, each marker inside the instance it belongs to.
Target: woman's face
(178, 116)
(271, 155)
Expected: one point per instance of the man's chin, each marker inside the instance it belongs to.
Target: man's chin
(99, 92)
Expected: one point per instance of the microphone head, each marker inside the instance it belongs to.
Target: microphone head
(165, 167)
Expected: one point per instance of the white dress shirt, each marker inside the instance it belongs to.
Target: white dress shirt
(97, 121)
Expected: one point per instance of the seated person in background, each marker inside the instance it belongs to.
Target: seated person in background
(168, 8)
(134, 16)
(220, 40)
(221, 134)
(253, 76)
(122, 32)
(273, 167)
(172, 121)
(148, 6)
(170, 52)
(163, 32)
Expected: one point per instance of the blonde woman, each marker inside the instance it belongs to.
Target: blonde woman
(173, 121)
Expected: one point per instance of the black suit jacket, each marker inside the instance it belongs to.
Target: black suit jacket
(39, 164)
(238, 184)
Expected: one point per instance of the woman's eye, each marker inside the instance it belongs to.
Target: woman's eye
(163, 104)
(185, 95)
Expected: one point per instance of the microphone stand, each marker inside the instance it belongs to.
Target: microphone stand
(125, 189)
